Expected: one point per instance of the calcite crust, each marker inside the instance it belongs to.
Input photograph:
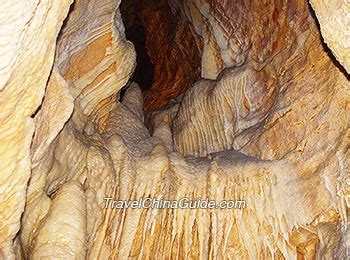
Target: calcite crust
(267, 123)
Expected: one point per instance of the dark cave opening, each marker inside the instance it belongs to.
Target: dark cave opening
(168, 54)
(144, 71)
(135, 33)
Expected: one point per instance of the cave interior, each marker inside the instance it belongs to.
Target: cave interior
(240, 101)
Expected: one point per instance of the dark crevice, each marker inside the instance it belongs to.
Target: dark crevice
(121, 92)
(168, 54)
(135, 32)
(144, 72)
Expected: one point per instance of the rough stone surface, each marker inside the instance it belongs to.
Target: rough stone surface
(334, 18)
(27, 46)
(267, 124)
(264, 99)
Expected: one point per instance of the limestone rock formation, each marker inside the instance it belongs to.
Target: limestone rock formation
(266, 125)
(335, 27)
(28, 40)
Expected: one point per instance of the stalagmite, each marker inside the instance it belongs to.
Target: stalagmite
(243, 104)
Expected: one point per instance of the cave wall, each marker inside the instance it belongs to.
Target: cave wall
(287, 102)
(273, 88)
(28, 40)
(93, 62)
(173, 47)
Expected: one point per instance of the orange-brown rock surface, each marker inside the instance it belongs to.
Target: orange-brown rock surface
(267, 123)
(278, 80)
(173, 47)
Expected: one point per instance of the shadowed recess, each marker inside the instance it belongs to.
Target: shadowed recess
(168, 54)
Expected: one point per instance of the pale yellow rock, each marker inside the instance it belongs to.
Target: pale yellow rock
(28, 40)
(94, 58)
(133, 100)
(56, 109)
(62, 232)
(200, 127)
(334, 19)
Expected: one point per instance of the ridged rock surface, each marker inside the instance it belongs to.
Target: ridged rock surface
(267, 124)
(27, 46)
(265, 99)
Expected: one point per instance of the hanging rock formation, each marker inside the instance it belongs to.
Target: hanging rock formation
(266, 124)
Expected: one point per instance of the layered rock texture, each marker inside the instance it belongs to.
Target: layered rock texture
(251, 106)
(28, 40)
